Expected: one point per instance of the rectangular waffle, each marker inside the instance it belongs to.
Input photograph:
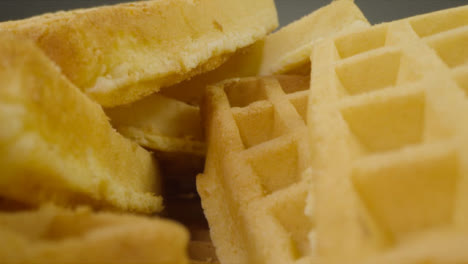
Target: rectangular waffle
(55, 235)
(57, 145)
(105, 51)
(389, 135)
(257, 172)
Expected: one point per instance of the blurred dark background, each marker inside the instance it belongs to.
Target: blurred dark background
(375, 10)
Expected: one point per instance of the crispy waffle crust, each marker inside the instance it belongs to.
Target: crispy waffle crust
(57, 145)
(119, 54)
(389, 136)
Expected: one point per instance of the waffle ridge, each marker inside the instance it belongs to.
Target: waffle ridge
(399, 135)
(284, 51)
(256, 137)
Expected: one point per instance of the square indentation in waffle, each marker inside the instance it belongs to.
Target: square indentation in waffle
(439, 22)
(300, 101)
(386, 122)
(258, 123)
(267, 113)
(297, 90)
(292, 84)
(276, 164)
(290, 214)
(241, 94)
(410, 191)
(384, 67)
(359, 42)
(452, 46)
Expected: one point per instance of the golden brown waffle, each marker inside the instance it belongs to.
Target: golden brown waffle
(57, 145)
(257, 172)
(173, 123)
(286, 50)
(389, 132)
(107, 50)
(54, 235)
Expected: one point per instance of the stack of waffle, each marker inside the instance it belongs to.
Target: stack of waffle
(328, 141)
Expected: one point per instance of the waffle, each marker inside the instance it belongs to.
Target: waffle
(161, 123)
(107, 50)
(388, 127)
(57, 145)
(284, 51)
(256, 136)
(244, 62)
(201, 249)
(287, 50)
(169, 121)
(438, 248)
(54, 235)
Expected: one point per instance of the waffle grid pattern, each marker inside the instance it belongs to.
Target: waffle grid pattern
(398, 136)
(259, 157)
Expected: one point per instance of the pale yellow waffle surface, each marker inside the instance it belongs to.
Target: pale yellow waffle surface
(388, 126)
(106, 50)
(169, 121)
(257, 172)
(437, 248)
(161, 123)
(244, 62)
(54, 235)
(56, 144)
(287, 50)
